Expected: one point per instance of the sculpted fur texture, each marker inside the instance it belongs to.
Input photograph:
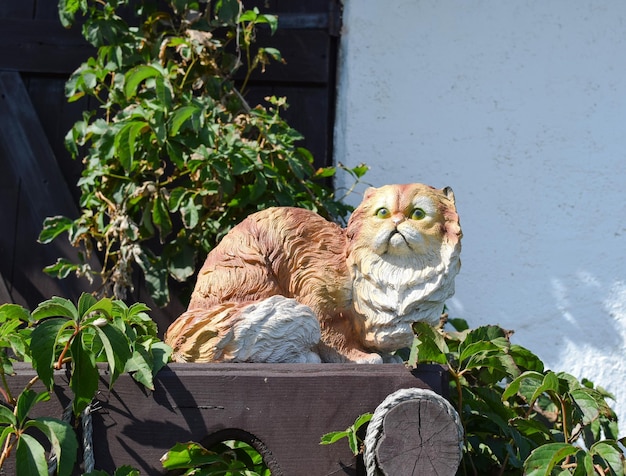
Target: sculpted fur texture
(286, 285)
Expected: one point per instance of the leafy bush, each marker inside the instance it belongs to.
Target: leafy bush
(231, 458)
(57, 335)
(175, 156)
(520, 418)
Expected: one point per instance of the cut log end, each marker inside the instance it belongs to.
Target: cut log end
(414, 432)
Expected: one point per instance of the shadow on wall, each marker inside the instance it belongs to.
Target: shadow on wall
(592, 313)
(592, 330)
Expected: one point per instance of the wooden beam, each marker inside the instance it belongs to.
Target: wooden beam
(41, 46)
(288, 407)
(33, 189)
(44, 46)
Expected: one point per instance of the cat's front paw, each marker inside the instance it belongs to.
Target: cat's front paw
(369, 359)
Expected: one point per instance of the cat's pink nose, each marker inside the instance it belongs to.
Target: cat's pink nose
(398, 218)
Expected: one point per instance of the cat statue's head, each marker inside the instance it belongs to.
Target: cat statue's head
(404, 243)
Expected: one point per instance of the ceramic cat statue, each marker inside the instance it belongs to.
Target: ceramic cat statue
(286, 285)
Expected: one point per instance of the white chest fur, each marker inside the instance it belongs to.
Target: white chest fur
(393, 292)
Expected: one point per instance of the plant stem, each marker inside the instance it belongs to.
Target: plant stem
(62, 358)
(564, 417)
(6, 451)
(6, 390)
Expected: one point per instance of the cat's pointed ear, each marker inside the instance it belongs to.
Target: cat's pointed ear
(369, 192)
(447, 191)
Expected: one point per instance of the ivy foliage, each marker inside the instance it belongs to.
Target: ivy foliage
(175, 156)
(78, 338)
(518, 417)
(232, 458)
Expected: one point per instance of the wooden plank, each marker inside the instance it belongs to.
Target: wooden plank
(306, 54)
(46, 9)
(41, 46)
(30, 174)
(17, 8)
(5, 294)
(57, 116)
(44, 46)
(287, 406)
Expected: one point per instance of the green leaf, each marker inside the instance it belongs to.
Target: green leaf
(140, 367)
(475, 352)
(53, 227)
(544, 458)
(353, 443)
(584, 464)
(249, 15)
(125, 141)
(325, 172)
(188, 455)
(181, 261)
(67, 11)
(360, 170)
(610, 453)
(135, 76)
(227, 11)
(102, 306)
(190, 213)
(362, 420)
(56, 307)
(7, 417)
(85, 375)
(493, 334)
(525, 359)
(161, 217)
(271, 20)
(587, 405)
(531, 428)
(458, 324)
(85, 301)
(30, 457)
(550, 383)
(180, 116)
(515, 385)
(15, 313)
(432, 346)
(25, 403)
(6, 432)
(128, 471)
(116, 348)
(43, 346)
(177, 196)
(273, 52)
(61, 269)
(333, 437)
(156, 275)
(63, 440)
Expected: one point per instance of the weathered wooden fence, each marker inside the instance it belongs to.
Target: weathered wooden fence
(287, 407)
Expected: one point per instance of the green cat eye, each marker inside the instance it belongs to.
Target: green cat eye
(383, 213)
(418, 214)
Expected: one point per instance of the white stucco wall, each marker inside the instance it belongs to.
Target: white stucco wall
(521, 108)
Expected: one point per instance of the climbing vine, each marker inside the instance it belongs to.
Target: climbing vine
(174, 155)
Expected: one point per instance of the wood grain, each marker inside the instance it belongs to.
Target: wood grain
(288, 407)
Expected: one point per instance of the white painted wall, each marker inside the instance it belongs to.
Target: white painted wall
(520, 106)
